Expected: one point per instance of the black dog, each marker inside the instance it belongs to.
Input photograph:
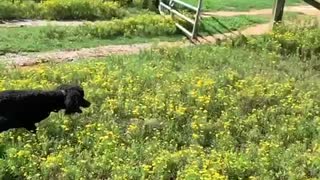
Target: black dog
(24, 108)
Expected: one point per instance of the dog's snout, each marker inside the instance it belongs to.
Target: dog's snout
(86, 103)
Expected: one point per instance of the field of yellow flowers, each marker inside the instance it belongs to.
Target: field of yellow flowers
(200, 113)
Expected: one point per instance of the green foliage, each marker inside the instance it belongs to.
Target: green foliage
(288, 39)
(147, 25)
(206, 112)
(9, 11)
(198, 113)
(70, 9)
(141, 25)
(151, 4)
(61, 10)
(48, 38)
(237, 5)
(135, 29)
(81, 9)
(122, 2)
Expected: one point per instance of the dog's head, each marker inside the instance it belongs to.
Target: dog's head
(74, 98)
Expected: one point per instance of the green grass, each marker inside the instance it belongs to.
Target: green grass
(238, 5)
(226, 24)
(32, 39)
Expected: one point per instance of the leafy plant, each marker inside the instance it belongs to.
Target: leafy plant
(141, 25)
(81, 9)
(288, 39)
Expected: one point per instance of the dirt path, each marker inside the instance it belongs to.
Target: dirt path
(30, 59)
(306, 9)
(23, 23)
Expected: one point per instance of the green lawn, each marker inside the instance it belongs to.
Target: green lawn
(37, 39)
(238, 5)
(226, 24)
(33, 39)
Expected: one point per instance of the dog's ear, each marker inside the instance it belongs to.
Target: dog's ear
(72, 102)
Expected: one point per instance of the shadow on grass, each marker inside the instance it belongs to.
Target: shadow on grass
(212, 26)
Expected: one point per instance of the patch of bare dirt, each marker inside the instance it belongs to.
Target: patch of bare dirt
(32, 23)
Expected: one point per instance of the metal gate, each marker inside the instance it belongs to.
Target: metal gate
(195, 22)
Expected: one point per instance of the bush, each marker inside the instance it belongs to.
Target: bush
(81, 9)
(122, 2)
(31, 10)
(289, 39)
(10, 10)
(150, 4)
(23, 10)
(142, 25)
(61, 10)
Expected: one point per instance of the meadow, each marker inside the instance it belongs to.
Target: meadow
(246, 109)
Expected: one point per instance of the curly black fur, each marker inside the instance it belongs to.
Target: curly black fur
(24, 108)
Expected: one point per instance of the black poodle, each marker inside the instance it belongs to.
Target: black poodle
(24, 108)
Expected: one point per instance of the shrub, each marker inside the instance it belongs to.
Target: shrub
(150, 4)
(9, 10)
(122, 2)
(142, 25)
(81, 9)
(31, 10)
(288, 39)
(19, 10)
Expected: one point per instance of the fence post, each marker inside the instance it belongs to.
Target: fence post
(277, 12)
(197, 20)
